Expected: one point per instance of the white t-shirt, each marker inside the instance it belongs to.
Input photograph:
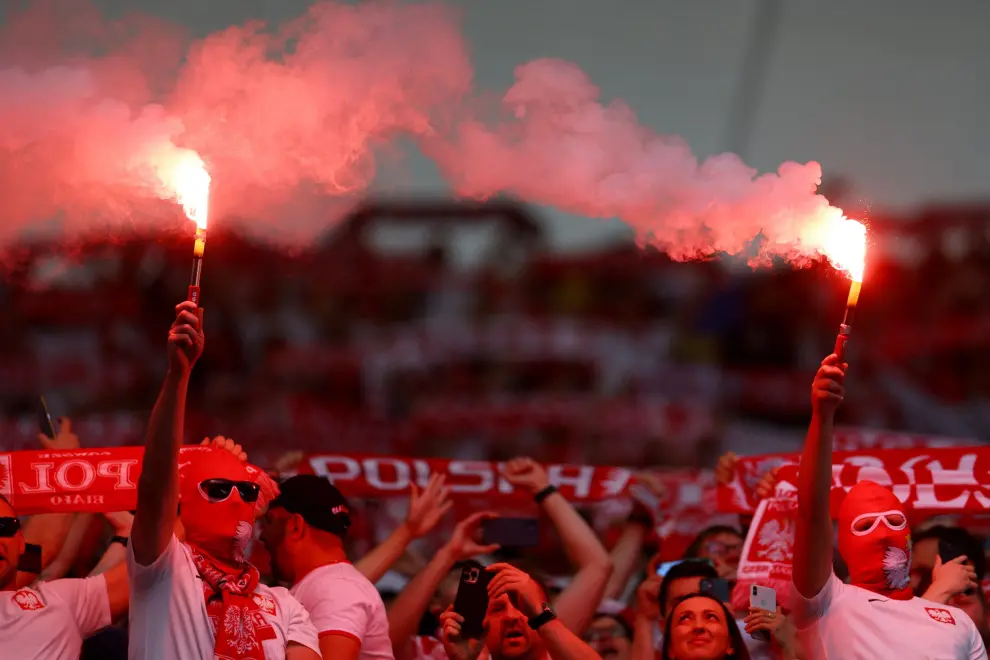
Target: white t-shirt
(845, 622)
(341, 601)
(50, 620)
(168, 619)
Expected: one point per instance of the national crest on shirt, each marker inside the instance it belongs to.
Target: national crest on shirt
(266, 604)
(940, 615)
(28, 600)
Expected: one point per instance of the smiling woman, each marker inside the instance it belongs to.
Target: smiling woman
(698, 629)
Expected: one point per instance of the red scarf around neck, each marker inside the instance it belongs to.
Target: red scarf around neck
(239, 627)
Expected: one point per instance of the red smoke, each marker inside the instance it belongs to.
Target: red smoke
(287, 116)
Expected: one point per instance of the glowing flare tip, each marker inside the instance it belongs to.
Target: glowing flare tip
(191, 183)
(845, 247)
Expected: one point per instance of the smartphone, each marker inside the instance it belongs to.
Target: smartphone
(716, 587)
(763, 598)
(45, 422)
(663, 568)
(471, 601)
(511, 532)
(30, 561)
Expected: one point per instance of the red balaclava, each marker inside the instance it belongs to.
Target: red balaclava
(875, 541)
(221, 529)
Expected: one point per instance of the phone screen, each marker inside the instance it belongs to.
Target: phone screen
(665, 567)
(511, 532)
(471, 601)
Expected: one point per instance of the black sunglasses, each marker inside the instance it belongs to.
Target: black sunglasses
(218, 490)
(9, 526)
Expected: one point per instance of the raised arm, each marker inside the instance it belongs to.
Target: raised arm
(577, 604)
(426, 508)
(561, 643)
(813, 533)
(158, 485)
(406, 612)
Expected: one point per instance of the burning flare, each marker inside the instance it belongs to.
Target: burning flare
(845, 246)
(190, 183)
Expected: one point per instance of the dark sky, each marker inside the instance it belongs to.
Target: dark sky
(892, 94)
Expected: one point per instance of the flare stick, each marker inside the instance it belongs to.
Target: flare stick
(845, 330)
(197, 267)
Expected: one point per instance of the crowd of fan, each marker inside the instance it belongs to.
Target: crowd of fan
(185, 577)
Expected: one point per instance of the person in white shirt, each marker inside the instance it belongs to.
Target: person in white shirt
(201, 598)
(49, 620)
(876, 615)
(304, 533)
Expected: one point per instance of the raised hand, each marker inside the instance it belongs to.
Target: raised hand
(510, 580)
(464, 543)
(456, 647)
(527, 474)
(648, 598)
(427, 506)
(185, 338)
(951, 579)
(227, 444)
(726, 467)
(827, 390)
(65, 439)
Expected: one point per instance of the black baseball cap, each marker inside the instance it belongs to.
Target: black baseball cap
(317, 500)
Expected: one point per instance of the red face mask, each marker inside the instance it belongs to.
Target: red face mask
(875, 541)
(224, 528)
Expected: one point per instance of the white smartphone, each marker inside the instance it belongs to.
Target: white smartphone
(763, 598)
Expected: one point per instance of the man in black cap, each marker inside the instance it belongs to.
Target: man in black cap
(304, 533)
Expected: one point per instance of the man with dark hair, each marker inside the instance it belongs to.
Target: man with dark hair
(304, 533)
(968, 595)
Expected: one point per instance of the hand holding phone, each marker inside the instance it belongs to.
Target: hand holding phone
(765, 599)
(471, 601)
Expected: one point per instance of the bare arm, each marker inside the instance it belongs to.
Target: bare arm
(340, 646)
(625, 558)
(577, 603)
(426, 508)
(296, 651)
(562, 644)
(376, 563)
(813, 533)
(408, 609)
(158, 487)
(61, 565)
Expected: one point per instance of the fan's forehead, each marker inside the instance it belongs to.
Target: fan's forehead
(867, 497)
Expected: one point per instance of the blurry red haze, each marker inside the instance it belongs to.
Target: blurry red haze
(290, 117)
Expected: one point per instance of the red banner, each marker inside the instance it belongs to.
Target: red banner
(927, 480)
(768, 553)
(76, 481)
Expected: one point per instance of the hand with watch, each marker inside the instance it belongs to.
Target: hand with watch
(529, 597)
(121, 522)
(527, 474)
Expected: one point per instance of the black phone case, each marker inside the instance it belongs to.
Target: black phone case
(716, 587)
(471, 601)
(45, 423)
(511, 532)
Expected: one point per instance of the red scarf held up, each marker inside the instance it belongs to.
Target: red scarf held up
(239, 627)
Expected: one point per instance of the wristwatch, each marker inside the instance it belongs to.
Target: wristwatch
(543, 618)
(119, 539)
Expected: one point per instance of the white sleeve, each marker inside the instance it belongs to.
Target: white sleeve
(343, 610)
(809, 610)
(977, 651)
(86, 598)
(144, 578)
(298, 627)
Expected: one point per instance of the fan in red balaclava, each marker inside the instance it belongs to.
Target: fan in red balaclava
(220, 496)
(875, 541)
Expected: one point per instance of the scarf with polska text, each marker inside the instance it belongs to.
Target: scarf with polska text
(239, 626)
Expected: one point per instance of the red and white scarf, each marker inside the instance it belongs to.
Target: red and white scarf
(239, 627)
